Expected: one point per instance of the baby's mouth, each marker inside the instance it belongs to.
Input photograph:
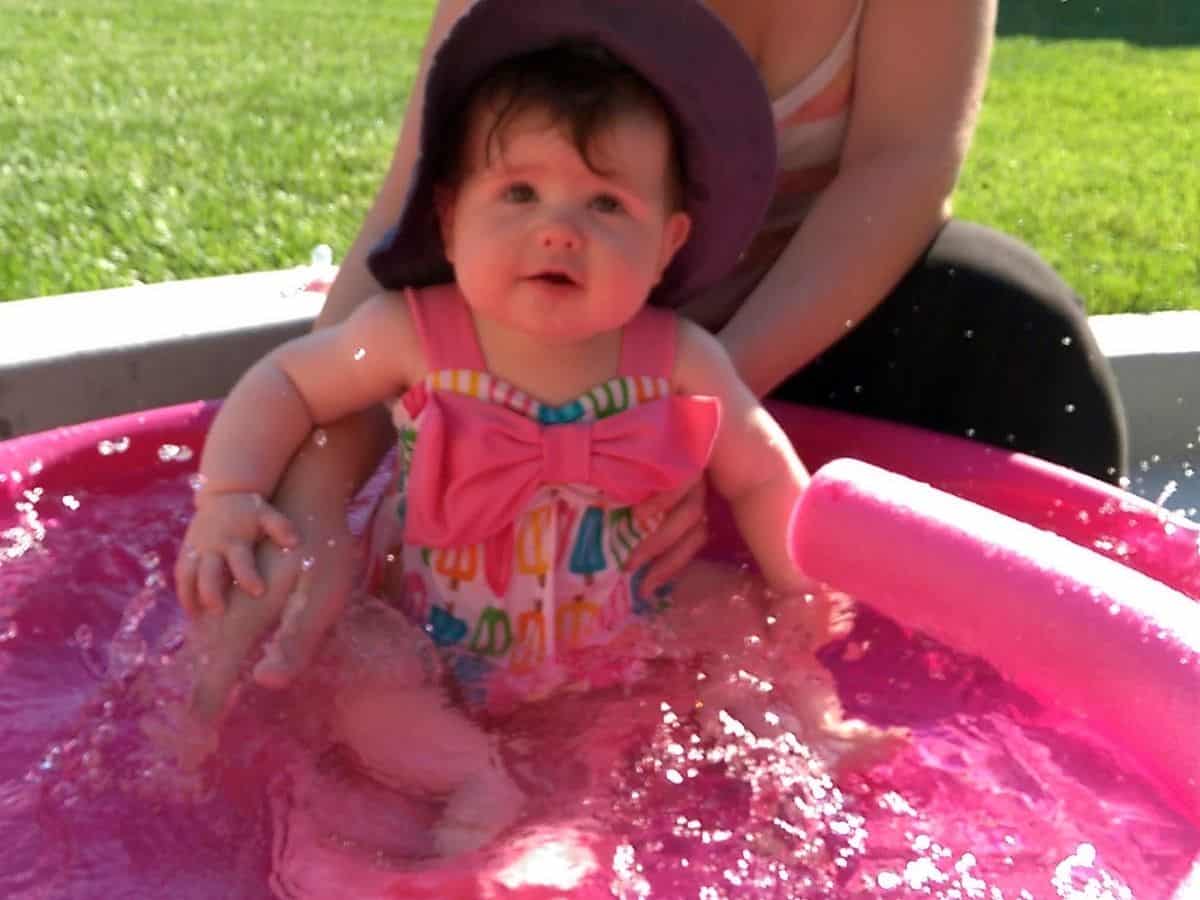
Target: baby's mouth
(555, 277)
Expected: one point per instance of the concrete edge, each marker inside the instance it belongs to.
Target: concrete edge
(78, 357)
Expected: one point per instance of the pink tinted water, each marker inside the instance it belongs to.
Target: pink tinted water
(995, 797)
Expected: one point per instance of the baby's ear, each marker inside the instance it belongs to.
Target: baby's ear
(444, 197)
(675, 234)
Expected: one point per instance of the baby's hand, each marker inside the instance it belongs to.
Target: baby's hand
(219, 543)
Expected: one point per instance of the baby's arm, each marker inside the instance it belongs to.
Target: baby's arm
(313, 380)
(753, 464)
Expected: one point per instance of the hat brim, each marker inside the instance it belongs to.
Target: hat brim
(710, 87)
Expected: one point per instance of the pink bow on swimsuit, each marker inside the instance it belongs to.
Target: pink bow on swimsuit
(477, 464)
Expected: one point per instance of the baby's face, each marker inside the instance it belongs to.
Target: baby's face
(543, 243)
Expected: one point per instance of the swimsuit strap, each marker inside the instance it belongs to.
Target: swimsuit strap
(648, 343)
(445, 328)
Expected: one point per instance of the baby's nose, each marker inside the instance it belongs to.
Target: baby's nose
(559, 234)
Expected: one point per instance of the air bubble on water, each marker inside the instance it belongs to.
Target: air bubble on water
(70, 502)
(307, 563)
(150, 560)
(360, 353)
(35, 467)
(320, 438)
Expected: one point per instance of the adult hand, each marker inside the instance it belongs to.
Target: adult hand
(678, 530)
(307, 589)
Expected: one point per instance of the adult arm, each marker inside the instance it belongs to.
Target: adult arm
(918, 83)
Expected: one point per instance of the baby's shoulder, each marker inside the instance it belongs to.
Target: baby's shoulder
(386, 321)
(701, 361)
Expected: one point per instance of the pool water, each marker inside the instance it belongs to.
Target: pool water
(631, 796)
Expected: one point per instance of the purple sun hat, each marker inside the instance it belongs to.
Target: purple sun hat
(706, 80)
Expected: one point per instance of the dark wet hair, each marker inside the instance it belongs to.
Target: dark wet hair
(581, 86)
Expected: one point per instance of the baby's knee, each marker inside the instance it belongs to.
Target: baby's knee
(413, 738)
(377, 645)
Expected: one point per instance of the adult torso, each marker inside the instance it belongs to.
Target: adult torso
(786, 38)
(805, 52)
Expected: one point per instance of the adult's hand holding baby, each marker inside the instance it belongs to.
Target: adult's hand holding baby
(677, 528)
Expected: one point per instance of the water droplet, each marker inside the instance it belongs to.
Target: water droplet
(35, 467)
(307, 563)
(174, 453)
(150, 560)
(969, 333)
(888, 881)
(360, 353)
(320, 438)
(104, 733)
(321, 256)
(970, 432)
(1070, 407)
(1168, 490)
(70, 502)
(8, 630)
(108, 448)
(196, 482)
(1066, 342)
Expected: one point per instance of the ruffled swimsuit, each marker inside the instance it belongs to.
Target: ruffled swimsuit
(509, 521)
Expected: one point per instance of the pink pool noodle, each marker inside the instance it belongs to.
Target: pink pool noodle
(1076, 630)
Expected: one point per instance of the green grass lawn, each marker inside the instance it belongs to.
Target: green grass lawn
(158, 139)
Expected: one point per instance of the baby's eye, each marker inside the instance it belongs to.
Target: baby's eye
(606, 203)
(519, 192)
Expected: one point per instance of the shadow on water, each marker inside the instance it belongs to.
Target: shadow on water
(1152, 23)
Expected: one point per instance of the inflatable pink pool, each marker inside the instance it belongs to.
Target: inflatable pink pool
(1036, 631)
